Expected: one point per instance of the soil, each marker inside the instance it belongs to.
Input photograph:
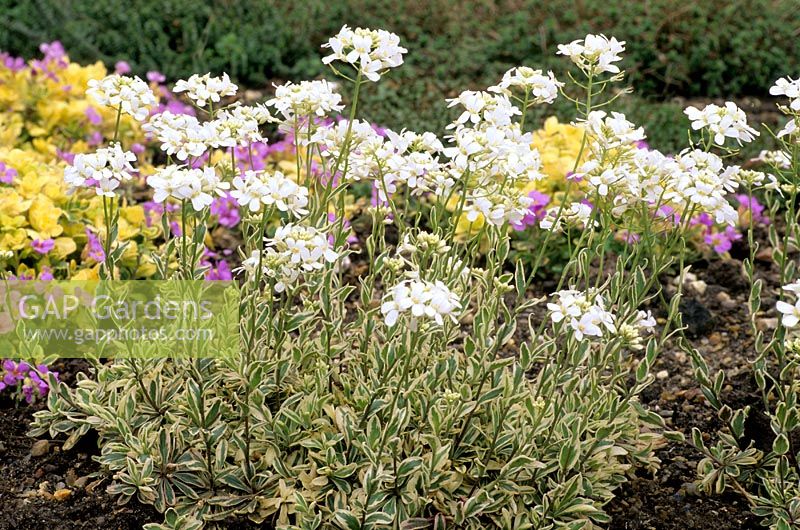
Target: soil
(714, 311)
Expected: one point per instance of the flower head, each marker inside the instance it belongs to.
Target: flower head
(130, 94)
(204, 89)
(372, 52)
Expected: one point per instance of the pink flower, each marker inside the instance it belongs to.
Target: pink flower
(93, 116)
(755, 208)
(536, 211)
(7, 174)
(94, 249)
(122, 68)
(156, 77)
(43, 246)
(722, 242)
(227, 210)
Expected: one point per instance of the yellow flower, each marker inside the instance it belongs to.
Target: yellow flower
(43, 216)
(64, 246)
(559, 145)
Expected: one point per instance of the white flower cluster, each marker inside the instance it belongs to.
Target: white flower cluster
(103, 170)
(594, 54)
(543, 88)
(576, 214)
(257, 189)
(702, 179)
(130, 94)
(238, 126)
(584, 313)
(610, 132)
(420, 299)
(293, 250)
(498, 205)
(181, 135)
(372, 52)
(197, 186)
(204, 89)
(729, 121)
(184, 136)
(307, 98)
(494, 109)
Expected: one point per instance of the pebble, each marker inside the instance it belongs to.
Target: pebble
(40, 448)
(80, 482)
(663, 374)
(764, 324)
(726, 301)
(62, 494)
(699, 286)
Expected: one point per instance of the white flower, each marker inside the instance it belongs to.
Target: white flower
(584, 313)
(236, 126)
(790, 88)
(790, 129)
(203, 89)
(645, 321)
(543, 88)
(307, 248)
(197, 186)
(370, 51)
(103, 170)
(609, 132)
(494, 109)
(318, 98)
(728, 121)
(594, 54)
(130, 94)
(258, 188)
(791, 313)
(498, 206)
(420, 299)
(700, 178)
(181, 135)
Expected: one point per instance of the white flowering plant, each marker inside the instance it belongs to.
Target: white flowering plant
(408, 379)
(767, 477)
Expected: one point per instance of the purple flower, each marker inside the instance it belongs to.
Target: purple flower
(66, 156)
(175, 228)
(156, 77)
(641, 144)
(46, 275)
(43, 246)
(702, 220)
(7, 174)
(722, 242)
(756, 209)
(93, 116)
(221, 272)
(94, 249)
(15, 64)
(14, 372)
(122, 68)
(536, 211)
(227, 210)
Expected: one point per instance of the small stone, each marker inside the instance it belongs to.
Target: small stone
(663, 374)
(726, 301)
(80, 482)
(40, 448)
(62, 494)
(699, 286)
(764, 324)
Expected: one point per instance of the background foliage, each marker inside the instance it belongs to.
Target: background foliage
(694, 48)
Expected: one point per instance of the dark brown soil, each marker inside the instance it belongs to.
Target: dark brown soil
(27, 482)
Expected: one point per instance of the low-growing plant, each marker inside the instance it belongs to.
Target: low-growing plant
(412, 378)
(767, 478)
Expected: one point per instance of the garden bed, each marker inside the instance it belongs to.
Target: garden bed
(718, 327)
